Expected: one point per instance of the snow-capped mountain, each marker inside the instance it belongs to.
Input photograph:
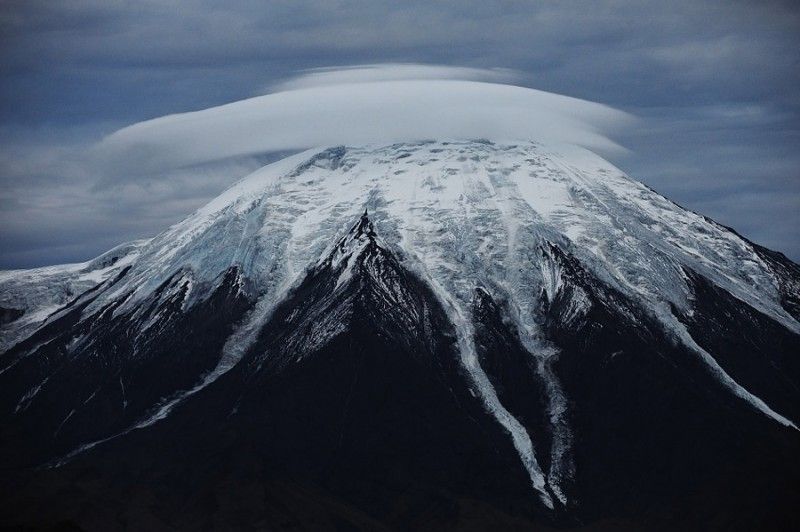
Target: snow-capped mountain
(456, 333)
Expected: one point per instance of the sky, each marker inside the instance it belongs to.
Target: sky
(713, 87)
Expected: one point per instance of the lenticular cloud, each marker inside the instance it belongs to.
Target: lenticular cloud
(316, 77)
(364, 105)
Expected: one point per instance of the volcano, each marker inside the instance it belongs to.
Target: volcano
(430, 335)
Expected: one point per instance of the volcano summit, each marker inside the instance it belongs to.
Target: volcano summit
(441, 334)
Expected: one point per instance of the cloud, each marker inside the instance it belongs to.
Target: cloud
(320, 77)
(57, 205)
(363, 105)
(714, 84)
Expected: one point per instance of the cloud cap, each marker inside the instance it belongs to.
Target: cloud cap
(363, 105)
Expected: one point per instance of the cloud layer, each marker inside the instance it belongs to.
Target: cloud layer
(715, 84)
(377, 104)
(320, 77)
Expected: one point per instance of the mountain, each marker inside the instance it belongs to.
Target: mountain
(432, 335)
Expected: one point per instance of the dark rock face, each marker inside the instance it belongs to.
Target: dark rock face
(84, 378)
(352, 410)
(658, 439)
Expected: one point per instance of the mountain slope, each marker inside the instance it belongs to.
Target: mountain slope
(514, 328)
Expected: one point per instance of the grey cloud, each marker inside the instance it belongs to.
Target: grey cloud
(320, 77)
(714, 83)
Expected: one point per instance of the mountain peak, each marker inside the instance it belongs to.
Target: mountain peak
(364, 226)
(349, 247)
(556, 299)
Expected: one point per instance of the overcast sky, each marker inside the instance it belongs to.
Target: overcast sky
(716, 87)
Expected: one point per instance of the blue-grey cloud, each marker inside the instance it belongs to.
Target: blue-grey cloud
(714, 83)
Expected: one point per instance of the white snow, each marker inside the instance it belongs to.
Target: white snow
(486, 392)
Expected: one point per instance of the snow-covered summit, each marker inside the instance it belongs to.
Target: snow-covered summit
(464, 214)
(449, 229)
(461, 214)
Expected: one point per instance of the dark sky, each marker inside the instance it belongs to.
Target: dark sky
(715, 85)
